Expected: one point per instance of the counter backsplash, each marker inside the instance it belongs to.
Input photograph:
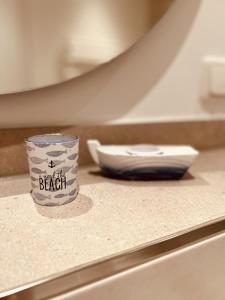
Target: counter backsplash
(201, 135)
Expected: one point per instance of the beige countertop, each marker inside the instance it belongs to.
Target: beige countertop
(109, 216)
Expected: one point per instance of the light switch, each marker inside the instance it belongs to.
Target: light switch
(217, 79)
(214, 69)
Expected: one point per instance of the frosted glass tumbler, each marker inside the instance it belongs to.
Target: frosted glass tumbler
(53, 164)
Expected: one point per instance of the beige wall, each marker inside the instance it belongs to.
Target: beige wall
(158, 79)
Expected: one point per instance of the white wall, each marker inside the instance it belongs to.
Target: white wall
(158, 79)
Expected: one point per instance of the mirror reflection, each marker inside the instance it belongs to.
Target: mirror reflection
(44, 42)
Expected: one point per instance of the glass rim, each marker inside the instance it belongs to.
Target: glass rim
(71, 137)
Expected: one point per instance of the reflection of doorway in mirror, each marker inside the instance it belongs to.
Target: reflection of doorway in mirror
(13, 68)
(103, 29)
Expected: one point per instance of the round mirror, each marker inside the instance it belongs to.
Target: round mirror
(44, 42)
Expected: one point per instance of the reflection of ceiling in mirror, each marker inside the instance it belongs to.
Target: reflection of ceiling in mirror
(46, 42)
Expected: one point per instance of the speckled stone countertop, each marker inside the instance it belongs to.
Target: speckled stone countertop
(108, 217)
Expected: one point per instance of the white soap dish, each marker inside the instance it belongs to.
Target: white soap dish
(142, 162)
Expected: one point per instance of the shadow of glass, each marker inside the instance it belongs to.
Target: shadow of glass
(80, 206)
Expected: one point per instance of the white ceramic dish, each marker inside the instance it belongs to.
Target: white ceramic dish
(149, 162)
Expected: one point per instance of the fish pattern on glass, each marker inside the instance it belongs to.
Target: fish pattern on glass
(70, 182)
(29, 148)
(41, 197)
(72, 193)
(51, 204)
(69, 145)
(34, 186)
(60, 196)
(69, 200)
(72, 156)
(74, 170)
(38, 171)
(37, 160)
(41, 145)
(56, 153)
(33, 178)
